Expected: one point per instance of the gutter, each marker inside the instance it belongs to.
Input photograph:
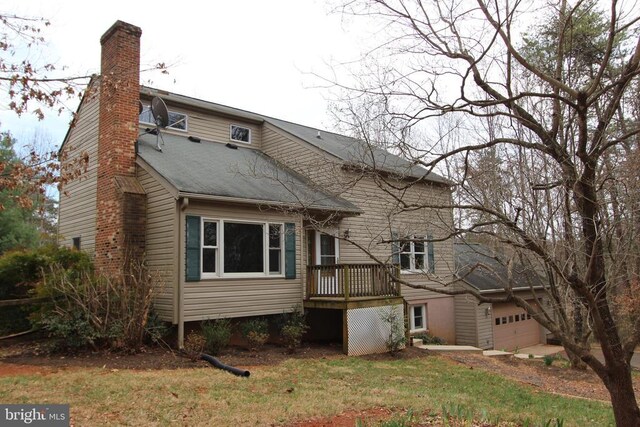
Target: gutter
(209, 197)
(495, 291)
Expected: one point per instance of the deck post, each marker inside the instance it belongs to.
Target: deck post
(345, 332)
(397, 274)
(347, 281)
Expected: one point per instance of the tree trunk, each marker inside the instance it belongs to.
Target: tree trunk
(619, 382)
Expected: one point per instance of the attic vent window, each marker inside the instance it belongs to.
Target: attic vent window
(240, 134)
(177, 121)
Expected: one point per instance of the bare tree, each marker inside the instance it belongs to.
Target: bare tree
(33, 85)
(546, 157)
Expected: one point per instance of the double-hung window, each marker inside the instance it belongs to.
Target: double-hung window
(413, 254)
(418, 318)
(237, 248)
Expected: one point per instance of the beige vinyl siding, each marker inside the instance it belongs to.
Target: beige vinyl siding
(379, 216)
(77, 210)
(484, 326)
(161, 245)
(473, 325)
(465, 307)
(240, 297)
(213, 127)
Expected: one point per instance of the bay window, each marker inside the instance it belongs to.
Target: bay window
(237, 248)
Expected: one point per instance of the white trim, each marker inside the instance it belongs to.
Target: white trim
(220, 272)
(412, 325)
(412, 254)
(231, 125)
(336, 242)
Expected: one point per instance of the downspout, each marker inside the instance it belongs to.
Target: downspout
(183, 205)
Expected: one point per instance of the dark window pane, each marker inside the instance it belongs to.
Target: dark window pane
(177, 121)
(418, 317)
(146, 116)
(243, 248)
(210, 234)
(405, 246)
(209, 260)
(274, 235)
(327, 245)
(419, 261)
(419, 246)
(510, 319)
(274, 261)
(405, 261)
(240, 134)
(497, 320)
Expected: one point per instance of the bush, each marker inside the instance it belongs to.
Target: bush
(430, 339)
(217, 334)
(397, 339)
(293, 325)
(21, 271)
(88, 310)
(548, 359)
(20, 274)
(194, 345)
(256, 332)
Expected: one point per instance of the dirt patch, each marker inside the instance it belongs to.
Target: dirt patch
(35, 356)
(348, 418)
(553, 379)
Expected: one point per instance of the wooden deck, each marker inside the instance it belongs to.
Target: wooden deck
(345, 286)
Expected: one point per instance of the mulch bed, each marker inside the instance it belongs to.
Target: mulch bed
(38, 355)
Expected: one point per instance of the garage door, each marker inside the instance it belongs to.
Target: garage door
(513, 328)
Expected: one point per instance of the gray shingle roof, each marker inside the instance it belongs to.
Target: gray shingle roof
(356, 152)
(485, 270)
(350, 150)
(214, 169)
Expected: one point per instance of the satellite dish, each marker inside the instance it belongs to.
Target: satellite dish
(160, 112)
(140, 107)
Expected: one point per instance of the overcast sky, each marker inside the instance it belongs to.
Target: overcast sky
(251, 54)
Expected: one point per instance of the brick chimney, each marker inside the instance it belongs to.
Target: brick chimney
(121, 202)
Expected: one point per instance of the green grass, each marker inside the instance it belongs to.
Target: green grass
(294, 390)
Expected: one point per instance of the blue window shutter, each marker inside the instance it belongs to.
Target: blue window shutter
(430, 255)
(290, 250)
(395, 248)
(192, 270)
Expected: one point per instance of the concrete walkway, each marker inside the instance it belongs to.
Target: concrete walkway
(537, 351)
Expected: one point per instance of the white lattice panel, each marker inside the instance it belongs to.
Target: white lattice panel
(367, 332)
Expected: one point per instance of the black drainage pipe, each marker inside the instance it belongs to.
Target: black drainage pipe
(218, 364)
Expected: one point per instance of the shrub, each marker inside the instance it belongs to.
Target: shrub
(256, 332)
(396, 339)
(548, 359)
(20, 273)
(430, 339)
(194, 344)
(89, 310)
(217, 334)
(292, 327)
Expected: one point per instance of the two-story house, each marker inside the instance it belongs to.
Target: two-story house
(245, 215)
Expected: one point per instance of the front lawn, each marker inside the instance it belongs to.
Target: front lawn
(294, 390)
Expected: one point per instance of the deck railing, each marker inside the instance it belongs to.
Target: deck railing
(351, 281)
